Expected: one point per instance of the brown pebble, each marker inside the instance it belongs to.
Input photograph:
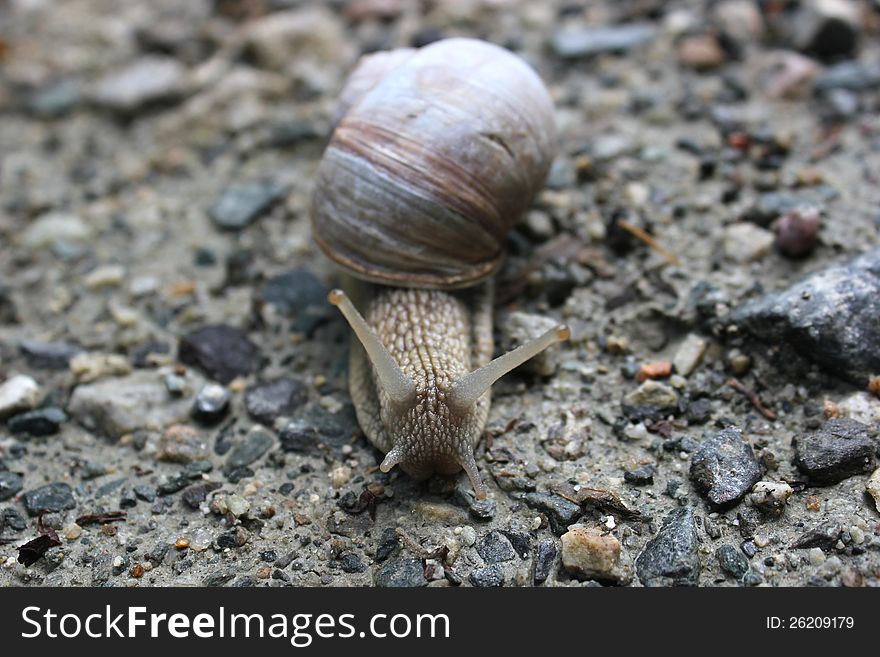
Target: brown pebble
(656, 370)
(797, 232)
(701, 52)
(108, 530)
(813, 503)
(181, 543)
(830, 409)
(263, 573)
(851, 578)
(137, 571)
(874, 385)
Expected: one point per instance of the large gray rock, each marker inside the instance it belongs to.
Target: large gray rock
(115, 407)
(831, 317)
(671, 558)
(724, 468)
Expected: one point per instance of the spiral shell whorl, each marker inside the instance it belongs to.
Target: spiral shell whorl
(442, 149)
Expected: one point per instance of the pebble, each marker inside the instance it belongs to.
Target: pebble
(797, 232)
(298, 295)
(641, 476)
(853, 75)
(826, 536)
(590, 554)
(828, 317)
(701, 52)
(732, 561)
(181, 443)
(119, 406)
(193, 496)
(239, 205)
(72, 531)
(745, 242)
(52, 229)
(495, 548)
(873, 488)
(572, 42)
(651, 398)
(211, 404)
(340, 476)
(48, 355)
(104, 276)
(724, 468)
(468, 535)
(266, 401)
(148, 80)
(545, 555)
(560, 512)
(487, 577)
(400, 573)
(51, 497)
(222, 352)
(40, 422)
(88, 367)
(255, 443)
(840, 449)
(828, 29)
(689, 354)
(672, 557)
(816, 556)
(12, 519)
(770, 497)
(636, 431)
(18, 393)
(10, 484)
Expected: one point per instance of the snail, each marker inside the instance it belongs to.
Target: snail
(435, 154)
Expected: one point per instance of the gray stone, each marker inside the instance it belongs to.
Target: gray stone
(51, 497)
(267, 400)
(545, 555)
(297, 294)
(672, 558)
(560, 511)
(146, 81)
(495, 548)
(10, 484)
(732, 561)
(239, 205)
(487, 577)
(255, 444)
(830, 317)
(840, 449)
(222, 352)
(115, 407)
(39, 422)
(401, 573)
(211, 404)
(724, 468)
(575, 41)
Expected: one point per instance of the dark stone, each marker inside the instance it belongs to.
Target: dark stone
(195, 495)
(234, 538)
(520, 541)
(489, 576)
(770, 206)
(671, 558)
(545, 555)
(286, 488)
(483, 510)
(840, 449)
(39, 422)
(641, 476)
(127, 500)
(255, 443)
(749, 548)
(12, 519)
(280, 575)
(560, 512)
(211, 404)
(314, 424)
(284, 560)
(92, 470)
(48, 355)
(401, 573)
(495, 548)
(296, 438)
(576, 41)
(241, 204)
(267, 400)
(269, 556)
(388, 544)
(51, 497)
(222, 352)
(350, 563)
(724, 468)
(109, 487)
(219, 579)
(237, 474)
(10, 484)
(828, 317)
(732, 561)
(699, 411)
(174, 484)
(824, 536)
(297, 294)
(291, 132)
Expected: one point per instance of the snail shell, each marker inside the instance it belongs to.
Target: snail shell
(436, 154)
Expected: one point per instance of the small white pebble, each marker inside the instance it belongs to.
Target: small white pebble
(817, 557)
(468, 535)
(858, 536)
(610, 523)
(118, 561)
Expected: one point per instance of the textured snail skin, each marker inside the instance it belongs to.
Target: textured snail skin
(435, 336)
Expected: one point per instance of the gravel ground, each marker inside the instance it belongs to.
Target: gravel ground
(708, 231)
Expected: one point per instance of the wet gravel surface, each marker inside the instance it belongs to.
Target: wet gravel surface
(173, 399)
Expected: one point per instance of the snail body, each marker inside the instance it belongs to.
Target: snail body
(436, 153)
